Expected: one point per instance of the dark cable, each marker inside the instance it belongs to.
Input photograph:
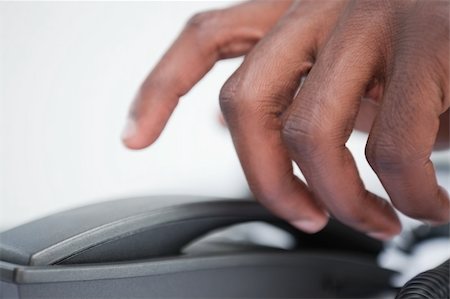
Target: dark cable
(432, 284)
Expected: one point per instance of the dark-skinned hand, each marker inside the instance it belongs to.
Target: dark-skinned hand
(313, 71)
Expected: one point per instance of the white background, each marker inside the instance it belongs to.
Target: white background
(68, 73)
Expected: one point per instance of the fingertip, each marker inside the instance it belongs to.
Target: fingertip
(442, 213)
(310, 226)
(389, 233)
(131, 137)
(382, 236)
(129, 130)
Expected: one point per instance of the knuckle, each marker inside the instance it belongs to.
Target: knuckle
(259, 103)
(205, 30)
(203, 21)
(236, 96)
(301, 135)
(384, 157)
(227, 97)
(394, 155)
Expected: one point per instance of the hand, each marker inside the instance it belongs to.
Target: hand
(382, 66)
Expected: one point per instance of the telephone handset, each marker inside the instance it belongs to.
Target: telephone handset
(96, 247)
(137, 228)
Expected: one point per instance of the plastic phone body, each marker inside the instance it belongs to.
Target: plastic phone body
(133, 248)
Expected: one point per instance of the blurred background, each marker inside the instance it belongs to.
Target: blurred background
(68, 72)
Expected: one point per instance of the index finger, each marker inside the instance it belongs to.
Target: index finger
(207, 38)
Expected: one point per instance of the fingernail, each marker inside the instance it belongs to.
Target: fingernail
(380, 236)
(130, 130)
(308, 226)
